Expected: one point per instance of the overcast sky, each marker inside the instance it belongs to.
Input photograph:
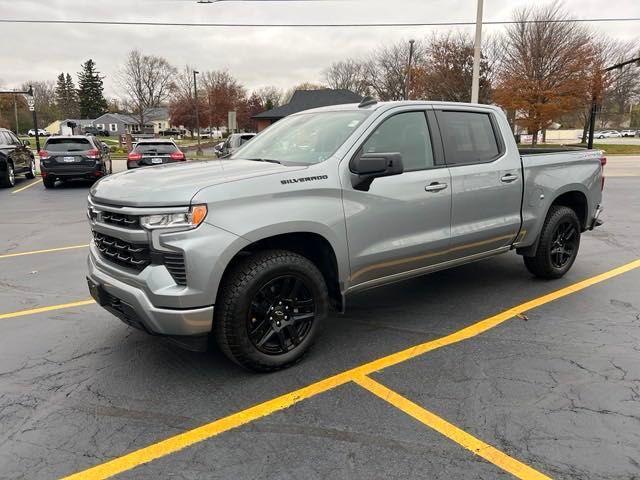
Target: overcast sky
(256, 56)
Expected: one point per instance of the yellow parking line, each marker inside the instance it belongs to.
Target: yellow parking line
(440, 425)
(33, 311)
(27, 186)
(48, 250)
(209, 430)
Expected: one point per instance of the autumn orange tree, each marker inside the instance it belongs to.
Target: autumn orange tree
(446, 69)
(545, 67)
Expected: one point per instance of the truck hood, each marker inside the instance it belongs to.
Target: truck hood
(176, 183)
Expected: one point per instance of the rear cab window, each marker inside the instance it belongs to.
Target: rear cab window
(156, 148)
(469, 137)
(68, 145)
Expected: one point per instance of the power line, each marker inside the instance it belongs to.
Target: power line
(310, 25)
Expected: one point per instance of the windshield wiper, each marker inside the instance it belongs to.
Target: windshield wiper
(270, 160)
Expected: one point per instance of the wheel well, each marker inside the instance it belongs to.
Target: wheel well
(310, 245)
(576, 201)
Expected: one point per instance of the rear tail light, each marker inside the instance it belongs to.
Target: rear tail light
(93, 154)
(603, 162)
(43, 154)
(177, 155)
(134, 156)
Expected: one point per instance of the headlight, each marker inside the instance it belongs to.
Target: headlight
(192, 219)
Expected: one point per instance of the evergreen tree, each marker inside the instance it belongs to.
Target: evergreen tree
(90, 91)
(66, 96)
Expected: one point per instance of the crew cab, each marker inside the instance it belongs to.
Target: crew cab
(252, 251)
(73, 157)
(16, 158)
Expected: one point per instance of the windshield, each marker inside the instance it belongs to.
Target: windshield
(303, 139)
(68, 145)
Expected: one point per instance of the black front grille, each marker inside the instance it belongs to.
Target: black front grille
(175, 264)
(121, 220)
(135, 256)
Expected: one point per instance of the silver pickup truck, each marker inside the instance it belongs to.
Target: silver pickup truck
(252, 251)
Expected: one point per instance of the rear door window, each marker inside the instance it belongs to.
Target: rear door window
(68, 145)
(469, 137)
(156, 148)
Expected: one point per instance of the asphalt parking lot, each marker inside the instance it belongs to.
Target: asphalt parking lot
(477, 372)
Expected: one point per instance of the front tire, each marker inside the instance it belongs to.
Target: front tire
(558, 246)
(270, 310)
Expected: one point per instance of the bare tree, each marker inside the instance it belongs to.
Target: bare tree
(386, 70)
(146, 81)
(545, 69)
(349, 74)
(270, 96)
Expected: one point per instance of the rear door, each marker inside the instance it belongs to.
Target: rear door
(155, 153)
(486, 181)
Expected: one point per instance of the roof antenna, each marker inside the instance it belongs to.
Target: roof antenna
(367, 101)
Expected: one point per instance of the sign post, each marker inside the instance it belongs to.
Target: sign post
(31, 101)
(232, 124)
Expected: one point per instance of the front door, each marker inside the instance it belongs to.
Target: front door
(402, 223)
(486, 182)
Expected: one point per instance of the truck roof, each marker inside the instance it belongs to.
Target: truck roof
(392, 104)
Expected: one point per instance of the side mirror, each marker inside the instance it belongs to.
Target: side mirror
(26, 143)
(366, 167)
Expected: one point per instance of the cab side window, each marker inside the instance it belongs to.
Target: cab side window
(468, 137)
(407, 134)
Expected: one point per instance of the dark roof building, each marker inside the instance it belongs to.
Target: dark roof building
(304, 100)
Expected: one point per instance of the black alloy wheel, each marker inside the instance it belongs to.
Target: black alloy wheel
(281, 315)
(564, 244)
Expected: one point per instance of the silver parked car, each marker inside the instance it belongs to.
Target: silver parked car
(253, 251)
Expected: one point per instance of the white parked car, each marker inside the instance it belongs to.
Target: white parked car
(628, 133)
(41, 132)
(607, 134)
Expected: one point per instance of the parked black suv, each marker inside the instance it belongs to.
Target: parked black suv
(154, 152)
(16, 158)
(66, 158)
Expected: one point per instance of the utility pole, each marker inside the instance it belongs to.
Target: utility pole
(475, 81)
(15, 114)
(407, 85)
(594, 99)
(195, 96)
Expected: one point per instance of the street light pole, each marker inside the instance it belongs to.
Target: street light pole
(407, 86)
(195, 96)
(475, 80)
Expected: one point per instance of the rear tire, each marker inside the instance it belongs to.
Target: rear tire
(49, 182)
(32, 170)
(558, 246)
(269, 310)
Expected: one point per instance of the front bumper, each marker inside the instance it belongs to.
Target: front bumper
(133, 307)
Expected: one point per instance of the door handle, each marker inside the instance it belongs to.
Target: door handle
(435, 187)
(508, 178)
